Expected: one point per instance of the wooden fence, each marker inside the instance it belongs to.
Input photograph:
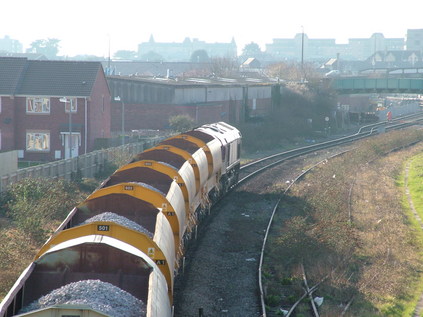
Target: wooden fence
(86, 165)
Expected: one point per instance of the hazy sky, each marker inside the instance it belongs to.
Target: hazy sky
(88, 26)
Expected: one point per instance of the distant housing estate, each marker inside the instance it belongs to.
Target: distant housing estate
(301, 46)
(185, 51)
(9, 45)
(321, 49)
(288, 48)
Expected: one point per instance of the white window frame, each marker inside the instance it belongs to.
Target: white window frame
(71, 103)
(37, 141)
(37, 105)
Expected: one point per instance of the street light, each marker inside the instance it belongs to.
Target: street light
(65, 100)
(117, 98)
(302, 53)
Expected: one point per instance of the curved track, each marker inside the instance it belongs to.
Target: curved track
(214, 290)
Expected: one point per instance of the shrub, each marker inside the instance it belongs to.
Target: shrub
(272, 300)
(181, 123)
(35, 204)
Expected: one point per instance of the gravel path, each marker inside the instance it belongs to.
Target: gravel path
(221, 269)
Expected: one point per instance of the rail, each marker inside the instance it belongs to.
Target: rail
(363, 132)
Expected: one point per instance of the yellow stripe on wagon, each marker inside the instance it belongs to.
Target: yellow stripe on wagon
(147, 194)
(184, 154)
(134, 238)
(200, 143)
(164, 169)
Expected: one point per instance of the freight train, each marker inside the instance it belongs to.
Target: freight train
(118, 252)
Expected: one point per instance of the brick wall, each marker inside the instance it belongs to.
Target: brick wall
(156, 116)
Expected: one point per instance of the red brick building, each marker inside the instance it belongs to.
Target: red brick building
(148, 103)
(52, 109)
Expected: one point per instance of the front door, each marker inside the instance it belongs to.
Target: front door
(72, 142)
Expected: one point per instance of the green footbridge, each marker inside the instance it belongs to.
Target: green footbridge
(357, 85)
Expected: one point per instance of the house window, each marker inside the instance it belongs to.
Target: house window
(37, 105)
(71, 105)
(38, 141)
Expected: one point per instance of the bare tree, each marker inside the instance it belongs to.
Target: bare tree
(293, 71)
(223, 66)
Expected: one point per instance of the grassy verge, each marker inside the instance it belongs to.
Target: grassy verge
(348, 223)
(415, 187)
(415, 183)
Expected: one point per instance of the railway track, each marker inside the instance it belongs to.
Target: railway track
(252, 168)
(222, 290)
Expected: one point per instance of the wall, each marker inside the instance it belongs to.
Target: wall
(156, 116)
(99, 107)
(7, 123)
(88, 164)
(8, 162)
(55, 122)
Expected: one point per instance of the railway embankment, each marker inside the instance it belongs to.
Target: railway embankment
(348, 223)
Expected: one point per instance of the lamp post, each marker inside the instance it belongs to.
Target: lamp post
(65, 100)
(117, 98)
(302, 53)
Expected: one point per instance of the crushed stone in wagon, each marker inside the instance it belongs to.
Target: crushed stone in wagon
(101, 296)
(120, 220)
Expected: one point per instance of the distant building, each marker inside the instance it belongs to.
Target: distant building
(251, 65)
(148, 103)
(414, 40)
(362, 48)
(183, 52)
(9, 45)
(323, 49)
(393, 59)
(31, 56)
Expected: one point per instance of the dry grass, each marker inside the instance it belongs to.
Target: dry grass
(41, 207)
(16, 253)
(358, 233)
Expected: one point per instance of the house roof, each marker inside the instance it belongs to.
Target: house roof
(396, 56)
(158, 69)
(47, 78)
(11, 70)
(250, 61)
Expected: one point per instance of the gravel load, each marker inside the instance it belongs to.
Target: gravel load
(120, 220)
(152, 188)
(101, 296)
(169, 165)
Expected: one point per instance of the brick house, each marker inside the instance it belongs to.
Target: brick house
(148, 103)
(52, 109)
